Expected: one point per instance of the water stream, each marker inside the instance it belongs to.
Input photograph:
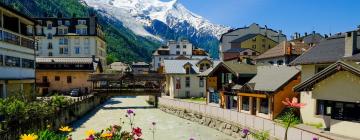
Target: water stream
(168, 127)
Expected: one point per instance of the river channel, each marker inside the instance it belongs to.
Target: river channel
(168, 127)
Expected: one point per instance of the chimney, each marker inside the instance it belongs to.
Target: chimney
(326, 36)
(306, 34)
(351, 43)
(313, 32)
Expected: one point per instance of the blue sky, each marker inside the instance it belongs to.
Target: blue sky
(290, 16)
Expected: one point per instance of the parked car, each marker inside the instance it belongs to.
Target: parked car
(75, 92)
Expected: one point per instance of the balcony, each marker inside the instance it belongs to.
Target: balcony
(16, 39)
(43, 84)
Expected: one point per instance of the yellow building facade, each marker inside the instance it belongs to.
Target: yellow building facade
(256, 42)
(73, 75)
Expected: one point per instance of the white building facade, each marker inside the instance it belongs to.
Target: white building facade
(17, 53)
(182, 77)
(174, 49)
(70, 37)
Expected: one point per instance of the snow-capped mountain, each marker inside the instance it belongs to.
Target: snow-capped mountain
(160, 20)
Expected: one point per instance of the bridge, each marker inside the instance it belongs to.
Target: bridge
(127, 84)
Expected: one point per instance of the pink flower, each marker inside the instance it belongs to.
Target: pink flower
(91, 137)
(137, 131)
(129, 112)
(294, 103)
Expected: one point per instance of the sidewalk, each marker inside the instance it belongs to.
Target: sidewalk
(323, 133)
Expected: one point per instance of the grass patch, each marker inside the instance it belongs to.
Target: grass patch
(196, 99)
(316, 125)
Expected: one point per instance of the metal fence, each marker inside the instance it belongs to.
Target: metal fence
(243, 119)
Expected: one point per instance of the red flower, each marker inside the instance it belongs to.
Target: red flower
(137, 131)
(294, 103)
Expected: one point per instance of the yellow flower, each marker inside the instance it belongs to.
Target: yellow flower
(48, 126)
(28, 137)
(65, 129)
(90, 132)
(106, 135)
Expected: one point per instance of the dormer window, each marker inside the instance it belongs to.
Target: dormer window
(60, 22)
(187, 70)
(67, 23)
(49, 25)
(83, 22)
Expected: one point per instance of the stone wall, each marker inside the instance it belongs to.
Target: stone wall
(64, 116)
(230, 128)
(196, 112)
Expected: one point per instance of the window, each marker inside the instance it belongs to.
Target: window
(201, 82)
(184, 53)
(184, 46)
(269, 46)
(50, 46)
(177, 52)
(82, 22)
(57, 78)
(178, 83)
(49, 26)
(159, 58)
(49, 36)
(280, 62)
(63, 50)
(68, 79)
(323, 107)
(214, 97)
(177, 46)
(263, 45)
(254, 53)
(77, 50)
(63, 41)
(87, 50)
(77, 41)
(26, 63)
(187, 69)
(60, 22)
(271, 62)
(50, 54)
(263, 40)
(45, 79)
(87, 41)
(12, 61)
(245, 103)
(254, 39)
(67, 23)
(187, 94)
(245, 53)
(1, 60)
(264, 105)
(187, 82)
(254, 46)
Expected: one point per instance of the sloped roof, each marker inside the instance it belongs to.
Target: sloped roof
(311, 38)
(329, 50)
(351, 66)
(272, 78)
(177, 66)
(283, 49)
(235, 50)
(244, 38)
(241, 68)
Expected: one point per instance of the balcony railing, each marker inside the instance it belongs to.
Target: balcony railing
(16, 39)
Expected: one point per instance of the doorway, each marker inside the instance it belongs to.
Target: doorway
(253, 108)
